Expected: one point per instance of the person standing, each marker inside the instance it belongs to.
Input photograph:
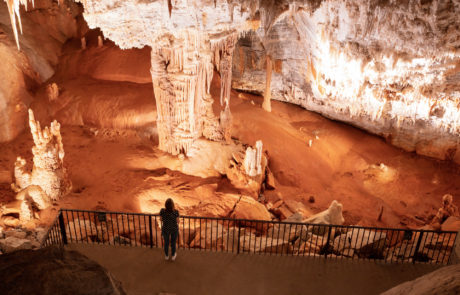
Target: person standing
(170, 229)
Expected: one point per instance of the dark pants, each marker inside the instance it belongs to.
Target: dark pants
(170, 237)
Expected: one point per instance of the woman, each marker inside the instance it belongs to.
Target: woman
(170, 229)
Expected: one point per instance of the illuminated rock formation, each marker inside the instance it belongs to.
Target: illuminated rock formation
(253, 159)
(188, 40)
(388, 67)
(247, 169)
(385, 66)
(332, 215)
(447, 210)
(52, 91)
(48, 180)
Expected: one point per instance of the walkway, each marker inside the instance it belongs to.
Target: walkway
(144, 271)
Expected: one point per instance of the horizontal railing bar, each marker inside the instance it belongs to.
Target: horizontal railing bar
(428, 246)
(270, 222)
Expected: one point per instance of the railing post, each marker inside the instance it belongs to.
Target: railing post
(419, 240)
(150, 227)
(327, 242)
(62, 227)
(239, 234)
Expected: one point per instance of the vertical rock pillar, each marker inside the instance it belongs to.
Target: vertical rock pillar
(182, 71)
(266, 105)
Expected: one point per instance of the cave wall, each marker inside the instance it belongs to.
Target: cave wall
(46, 26)
(389, 67)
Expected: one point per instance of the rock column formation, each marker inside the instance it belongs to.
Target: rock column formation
(188, 39)
(389, 67)
(48, 180)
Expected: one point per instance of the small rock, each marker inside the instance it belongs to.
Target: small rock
(296, 217)
(17, 233)
(270, 180)
(40, 233)
(12, 244)
(10, 221)
(311, 199)
(2, 235)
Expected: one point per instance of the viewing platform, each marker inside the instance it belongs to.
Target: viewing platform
(144, 271)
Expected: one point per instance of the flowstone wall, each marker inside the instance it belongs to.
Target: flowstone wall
(389, 67)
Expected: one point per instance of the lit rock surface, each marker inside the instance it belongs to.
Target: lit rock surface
(48, 180)
(445, 280)
(388, 67)
(188, 39)
(54, 271)
(45, 28)
(333, 215)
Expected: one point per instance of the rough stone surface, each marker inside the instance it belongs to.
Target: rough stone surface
(45, 28)
(248, 208)
(54, 271)
(48, 180)
(445, 280)
(388, 67)
(11, 244)
(332, 215)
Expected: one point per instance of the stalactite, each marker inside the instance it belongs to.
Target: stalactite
(267, 94)
(170, 8)
(14, 12)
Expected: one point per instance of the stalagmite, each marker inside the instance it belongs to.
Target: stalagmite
(100, 41)
(266, 105)
(48, 180)
(253, 160)
(181, 80)
(52, 91)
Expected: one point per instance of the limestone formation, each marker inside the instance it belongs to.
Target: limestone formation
(447, 210)
(188, 40)
(445, 280)
(253, 160)
(388, 67)
(52, 90)
(267, 93)
(48, 180)
(332, 215)
(100, 41)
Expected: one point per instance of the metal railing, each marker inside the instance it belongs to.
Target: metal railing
(254, 236)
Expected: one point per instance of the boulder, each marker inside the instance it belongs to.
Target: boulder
(451, 224)
(364, 242)
(17, 233)
(80, 230)
(54, 271)
(11, 244)
(248, 208)
(210, 236)
(296, 217)
(332, 215)
(40, 234)
(445, 280)
(10, 221)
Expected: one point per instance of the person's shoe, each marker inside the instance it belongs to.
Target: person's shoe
(174, 256)
(166, 257)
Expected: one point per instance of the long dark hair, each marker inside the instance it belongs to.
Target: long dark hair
(169, 205)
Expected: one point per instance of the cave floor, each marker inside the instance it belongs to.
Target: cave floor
(144, 271)
(111, 153)
(121, 169)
